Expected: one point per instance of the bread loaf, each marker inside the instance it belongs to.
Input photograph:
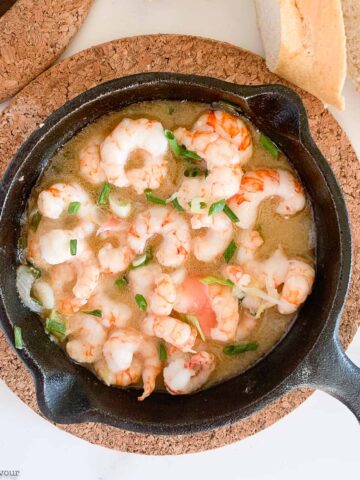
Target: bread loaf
(304, 43)
(351, 11)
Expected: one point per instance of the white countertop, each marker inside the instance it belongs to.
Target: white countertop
(320, 439)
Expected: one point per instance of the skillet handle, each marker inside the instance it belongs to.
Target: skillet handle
(331, 371)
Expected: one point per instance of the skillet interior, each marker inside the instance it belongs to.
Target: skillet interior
(68, 393)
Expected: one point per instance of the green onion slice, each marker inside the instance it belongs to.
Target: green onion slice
(195, 172)
(35, 272)
(197, 205)
(73, 246)
(193, 320)
(141, 302)
(162, 352)
(121, 282)
(35, 220)
(210, 279)
(142, 260)
(18, 338)
(229, 251)
(95, 313)
(74, 207)
(180, 150)
(55, 324)
(151, 198)
(227, 210)
(177, 205)
(230, 105)
(236, 349)
(269, 146)
(217, 207)
(104, 194)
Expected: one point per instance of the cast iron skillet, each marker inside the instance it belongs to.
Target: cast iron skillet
(309, 355)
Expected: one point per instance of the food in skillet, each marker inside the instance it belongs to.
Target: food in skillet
(168, 245)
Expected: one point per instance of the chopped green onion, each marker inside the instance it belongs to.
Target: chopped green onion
(177, 205)
(73, 246)
(269, 145)
(36, 301)
(180, 150)
(217, 207)
(55, 324)
(192, 319)
(35, 272)
(197, 205)
(221, 281)
(227, 210)
(141, 302)
(229, 251)
(151, 198)
(236, 349)
(162, 352)
(74, 207)
(142, 260)
(121, 282)
(35, 220)
(18, 338)
(95, 313)
(104, 194)
(230, 105)
(195, 172)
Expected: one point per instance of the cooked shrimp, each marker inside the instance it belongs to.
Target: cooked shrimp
(247, 324)
(89, 161)
(217, 237)
(152, 366)
(121, 379)
(157, 288)
(86, 338)
(226, 309)
(113, 312)
(223, 182)
(260, 184)
(119, 351)
(221, 139)
(142, 279)
(43, 292)
(236, 274)
(120, 347)
(170, 329)
(249, 241)
(115, 259)
(55, 199)
(297, 285)
(185, 375)
(295, 276)
(174, 229)
(74, 281)
(164, 295)
(130, 136)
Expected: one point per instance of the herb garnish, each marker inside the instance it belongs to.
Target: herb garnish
(236, 349)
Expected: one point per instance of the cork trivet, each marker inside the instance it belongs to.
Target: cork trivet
(33, 34)
(175, 53)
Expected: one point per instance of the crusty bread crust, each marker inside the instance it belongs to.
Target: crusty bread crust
(351, 12)
(312, 52)
(33, 34)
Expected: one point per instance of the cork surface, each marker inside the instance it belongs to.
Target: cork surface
(187, 55)
(33, 34)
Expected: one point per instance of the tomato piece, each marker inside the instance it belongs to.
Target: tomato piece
(199, 303)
